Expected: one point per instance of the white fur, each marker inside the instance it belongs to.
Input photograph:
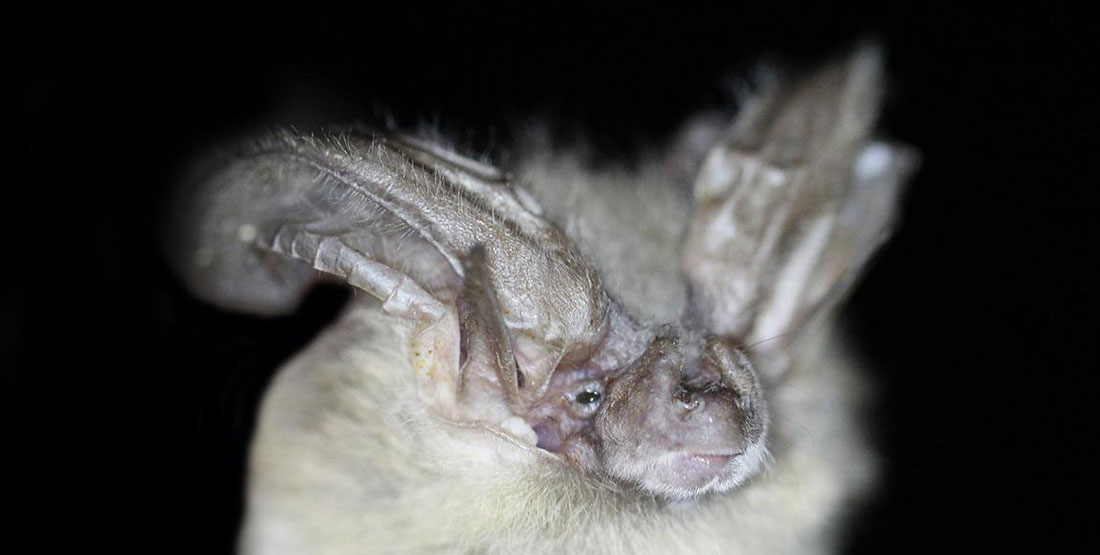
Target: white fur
(347, 460)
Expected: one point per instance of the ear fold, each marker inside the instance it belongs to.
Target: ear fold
(487, 357)
(791, 204)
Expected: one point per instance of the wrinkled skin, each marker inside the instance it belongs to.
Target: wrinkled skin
(673, 427)
(674, 431)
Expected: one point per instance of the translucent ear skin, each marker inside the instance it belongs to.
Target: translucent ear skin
(396, 218)
(488, 364)
(213, 240)
(285, 205)
(792, 203)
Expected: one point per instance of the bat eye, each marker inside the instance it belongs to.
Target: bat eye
(587, 400)
(588, 397)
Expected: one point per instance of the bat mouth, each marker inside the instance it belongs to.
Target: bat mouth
(690, 473)
(702, 464)
(711, 459)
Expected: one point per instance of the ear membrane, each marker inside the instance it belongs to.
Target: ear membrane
(791, 204)
(286, 210)
(487, 361)
(425, 231)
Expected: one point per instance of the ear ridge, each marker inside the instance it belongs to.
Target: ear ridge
(398, 220)
(487, 349)
(287, 204)
(792, 204)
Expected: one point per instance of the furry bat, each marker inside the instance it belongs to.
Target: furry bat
(566, 360)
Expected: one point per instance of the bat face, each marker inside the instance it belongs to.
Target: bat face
(634, 341)
(674, 417)
(675, 421)
(680, 426)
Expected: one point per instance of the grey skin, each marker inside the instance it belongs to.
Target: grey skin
(678, 431)
(633, 341)
(670, 428)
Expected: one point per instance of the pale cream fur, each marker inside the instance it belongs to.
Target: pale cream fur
(347, 460)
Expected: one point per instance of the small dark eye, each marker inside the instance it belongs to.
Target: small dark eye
(588, 397)
(585, 403)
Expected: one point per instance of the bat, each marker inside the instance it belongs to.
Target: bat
(555, 358)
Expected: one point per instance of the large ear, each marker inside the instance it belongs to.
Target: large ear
(396, 218)
(791, 204)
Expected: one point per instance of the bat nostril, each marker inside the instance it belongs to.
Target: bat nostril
(688, 400)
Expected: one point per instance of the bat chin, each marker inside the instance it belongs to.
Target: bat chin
(684, 475)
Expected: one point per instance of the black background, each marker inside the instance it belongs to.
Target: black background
(127, 405)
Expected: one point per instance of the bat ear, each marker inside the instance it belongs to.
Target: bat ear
(792, 203)
(287, 210)
(405, 221)
(486, 354)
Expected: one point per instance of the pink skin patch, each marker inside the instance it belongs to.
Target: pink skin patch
(571, 403)
(696, 470)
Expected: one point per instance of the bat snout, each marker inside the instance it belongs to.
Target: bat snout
(684, 419)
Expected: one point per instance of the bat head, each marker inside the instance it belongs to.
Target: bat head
(680, 424)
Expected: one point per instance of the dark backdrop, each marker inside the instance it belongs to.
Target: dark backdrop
(127, 405)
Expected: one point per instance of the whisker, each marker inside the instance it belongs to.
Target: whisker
(769, 339)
